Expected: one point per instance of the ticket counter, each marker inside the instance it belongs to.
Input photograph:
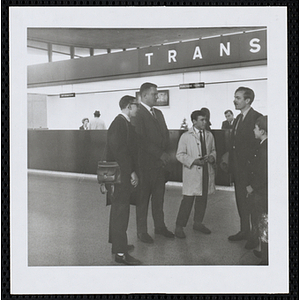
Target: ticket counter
(79, 151)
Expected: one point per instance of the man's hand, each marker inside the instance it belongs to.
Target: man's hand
(134, 179)
(249, 190)
(165, 157)
(210, 159)
(103, 189)
(198, 162)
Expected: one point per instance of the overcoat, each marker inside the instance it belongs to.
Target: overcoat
(189, 148)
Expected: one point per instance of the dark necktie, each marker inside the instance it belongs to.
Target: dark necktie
(153, 112)
(205, 167)
(238, 123)
(203, 145)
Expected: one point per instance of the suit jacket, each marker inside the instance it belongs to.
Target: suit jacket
(153, 138)
(121, 146)
(244, 142)
(258, 170)
(227, 125)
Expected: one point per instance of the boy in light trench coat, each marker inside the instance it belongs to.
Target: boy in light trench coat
(196, 151)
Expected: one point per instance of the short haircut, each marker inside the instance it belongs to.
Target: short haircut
(206, 111)
(84, 119)
(262, 123)
(97, 114)
(146, 86)
(248, 93)
(125, 100)
(196, 113)
(228, 111)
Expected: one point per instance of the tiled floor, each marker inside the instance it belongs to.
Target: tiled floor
(68, 226)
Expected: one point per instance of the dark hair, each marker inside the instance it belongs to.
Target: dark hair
(228, 111)
(196, 113)
(125, 100)
(85, 119)
(97, 114)
(146, 86)
(207, 115)
(262, 123)
(206, 111)
(248, 93)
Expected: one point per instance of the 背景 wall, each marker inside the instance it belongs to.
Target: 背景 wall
(217, 95)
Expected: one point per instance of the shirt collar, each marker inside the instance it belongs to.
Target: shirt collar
(245, 112)
(125, 116)
(263, 140)
(196, 130)
(146, 106)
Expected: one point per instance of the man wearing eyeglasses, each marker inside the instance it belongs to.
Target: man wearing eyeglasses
(122, 148)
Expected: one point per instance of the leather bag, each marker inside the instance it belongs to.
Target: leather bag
(108, 172)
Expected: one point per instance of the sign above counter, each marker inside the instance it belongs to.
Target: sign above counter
(215, 52)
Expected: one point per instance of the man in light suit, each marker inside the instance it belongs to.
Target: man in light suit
(122, 148)
(153, 146)
(196, 151)
(243, 145)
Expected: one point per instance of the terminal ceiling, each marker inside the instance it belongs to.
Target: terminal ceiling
(125, 38)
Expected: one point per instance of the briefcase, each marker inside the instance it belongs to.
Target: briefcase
(108, 172)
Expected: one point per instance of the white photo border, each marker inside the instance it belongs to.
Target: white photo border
(151, 279)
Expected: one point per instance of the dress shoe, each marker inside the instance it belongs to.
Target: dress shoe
(145, 238)
(165, 232)
(257, 253)
(238, 237)
(179, 233)
(201, 228)
(252, 243)
(129, 249)
(126, 259)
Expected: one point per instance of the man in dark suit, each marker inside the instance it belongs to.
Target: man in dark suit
(153, 144)
(122, 148)
(229, 120)
(243, 145)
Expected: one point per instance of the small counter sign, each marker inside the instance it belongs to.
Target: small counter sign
(192, 85)
(66, 95)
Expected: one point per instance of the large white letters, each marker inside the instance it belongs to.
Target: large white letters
(149, 58)
(172, 55)
(254, 45)
(235, 48)
(197, 53)
(224, 49)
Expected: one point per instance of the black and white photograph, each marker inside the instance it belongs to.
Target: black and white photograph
(145, 151)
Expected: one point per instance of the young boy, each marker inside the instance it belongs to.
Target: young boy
(258, 186)
(196, 151)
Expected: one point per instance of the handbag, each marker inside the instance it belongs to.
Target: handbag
(108, 172)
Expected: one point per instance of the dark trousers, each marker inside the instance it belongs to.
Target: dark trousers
(187, 204)
(258, 208)
(244, 205)
(152, 186)
(119, 217)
